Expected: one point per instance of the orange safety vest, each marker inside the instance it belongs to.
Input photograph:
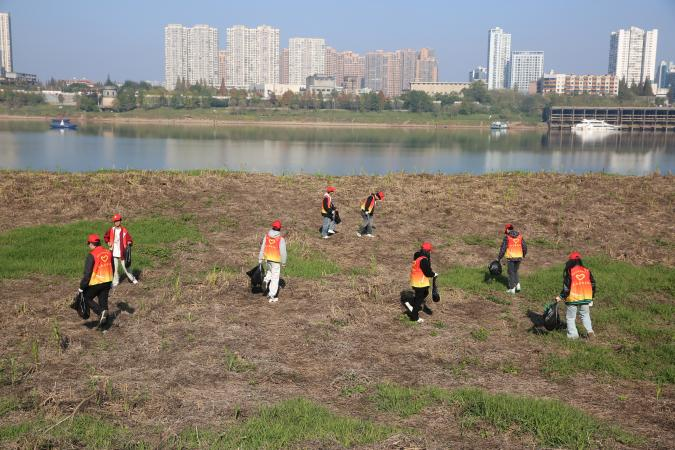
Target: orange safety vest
(272, 250)
(363, 205)
(330, 203)
(514, 247)
(103, 269)
(417, 277)
(581, 289)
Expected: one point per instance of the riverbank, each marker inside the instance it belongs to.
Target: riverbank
(193, 359)
(265, 117)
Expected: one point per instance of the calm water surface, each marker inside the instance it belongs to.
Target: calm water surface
(329, 151)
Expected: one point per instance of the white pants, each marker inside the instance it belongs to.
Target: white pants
(571, 315)
(116, 276)
(272, 275)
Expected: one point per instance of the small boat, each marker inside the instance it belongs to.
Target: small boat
(499, 126)
(594, 125)
(62, 124)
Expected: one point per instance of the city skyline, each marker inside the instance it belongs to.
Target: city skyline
(130, 46)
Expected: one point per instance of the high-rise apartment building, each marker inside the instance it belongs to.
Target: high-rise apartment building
(223, 58)
(632, 54)
(190, 54)
(665, 75)
(306, 57)
(383, 72)
(283, 67)
(499, 56)
(526, 67)
(375, 70)
(331, 62)
(408, 58)
(5, 43)
(253, 56)
(478, 74)
(426, 69)
(350, 66)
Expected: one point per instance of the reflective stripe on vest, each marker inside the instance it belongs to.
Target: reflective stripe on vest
(272, 250)
(330, 202)
(581, 288)
(514, 247)
(417, 277)
(103, 269)
(371, 207)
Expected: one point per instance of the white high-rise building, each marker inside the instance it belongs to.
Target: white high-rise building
(190, 54)
(306, 57)
(5, 43)
(632, 54)
(408, 59)
(526, 67)
(253, 56)
(499, 56)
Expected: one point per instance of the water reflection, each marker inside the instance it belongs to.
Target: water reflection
(332, 151)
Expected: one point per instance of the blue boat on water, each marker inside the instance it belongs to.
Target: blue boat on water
(63, 124)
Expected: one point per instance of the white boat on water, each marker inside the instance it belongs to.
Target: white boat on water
(499, 126)
(594, 125)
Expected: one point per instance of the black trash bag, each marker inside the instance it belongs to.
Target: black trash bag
(256, 274)
(336, 217)
(80, 305)
(551, 317)
(435, 296)
(495, 268)
(127, 256)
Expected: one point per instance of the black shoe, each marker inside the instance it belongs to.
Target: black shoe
(427, 310)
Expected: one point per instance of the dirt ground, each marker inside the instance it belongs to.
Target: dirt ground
(161, 364)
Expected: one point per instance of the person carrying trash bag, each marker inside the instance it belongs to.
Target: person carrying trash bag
(577, 292)
(514, 249)
(97, 278)
(367, 211)
(328, 212)
(420, 280)
(119, 241)
(273, 252)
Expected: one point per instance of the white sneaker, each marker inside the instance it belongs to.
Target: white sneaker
(369, 235)
(326, 237)
(331, 232)
(420, 320)
(115, 284)
(358, 234)
(135, 281)
(511, 291)
(273, 300)
(518, 287)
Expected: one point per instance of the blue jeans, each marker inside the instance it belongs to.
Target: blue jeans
(328, 224)
(584, 313)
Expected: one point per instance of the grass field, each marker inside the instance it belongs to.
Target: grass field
(192, 359)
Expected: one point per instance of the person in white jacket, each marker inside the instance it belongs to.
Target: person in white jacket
(273, 252)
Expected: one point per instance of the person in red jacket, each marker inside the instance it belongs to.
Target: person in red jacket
(118, 240)
(577, 292)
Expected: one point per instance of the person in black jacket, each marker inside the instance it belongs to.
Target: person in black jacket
(420, 280)
(515, 249)
(367, 211)
(328, 213)
(97, 277)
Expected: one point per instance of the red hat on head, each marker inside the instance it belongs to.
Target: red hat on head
(380, 195)
(117, 217)
(574, 255)
(507, 227)
(93, 239)
(330, 189)
(276, 224)
(426, 246)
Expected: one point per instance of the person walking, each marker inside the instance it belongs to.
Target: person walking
(420, 280)
(273, 252)
(97, 278)
(577, 292)
(514, 249)
(328, 212)
(118, 240)
(367, 211)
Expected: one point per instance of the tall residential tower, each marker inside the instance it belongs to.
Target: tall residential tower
(499, 56)
(632, 54)
(253, 56)
(306, 57)
(526, 67)
(191, 55)
(5, 43)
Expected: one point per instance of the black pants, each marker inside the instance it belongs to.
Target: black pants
(512, 268)
(101, 291)
(417, 303)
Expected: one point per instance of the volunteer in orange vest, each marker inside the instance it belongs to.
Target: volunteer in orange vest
(420, 280)
(514, 249)
(577, 292)
(367, 211)
(118, 239)
(97, 278)
(273, 252)
(328, 213)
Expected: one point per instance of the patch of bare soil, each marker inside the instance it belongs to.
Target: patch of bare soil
(166, 361)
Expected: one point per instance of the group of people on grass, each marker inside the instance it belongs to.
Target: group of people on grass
(102, 265)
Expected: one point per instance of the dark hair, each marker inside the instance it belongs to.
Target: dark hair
(276, 228)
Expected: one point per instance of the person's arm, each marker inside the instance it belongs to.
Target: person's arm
(425, 265)
(282, 250)
(524, 246)
(88, 269)
(326, 207)
(592, 282)
(502, 249)
(106, 237)
(567, 283)
(262, 250)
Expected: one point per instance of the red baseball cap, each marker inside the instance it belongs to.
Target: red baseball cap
(507, 227)
(93, 239)
(117, 217)
(330, 189)
(574, 255)
(276, 224)
(380, 195)
(426, 246)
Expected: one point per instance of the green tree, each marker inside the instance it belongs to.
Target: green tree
(625, 93)
(87, 102)
(647, 88)
(671, 94)
(417, 101)
(477, 92)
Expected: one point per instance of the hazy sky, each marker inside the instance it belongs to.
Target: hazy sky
(125, 38)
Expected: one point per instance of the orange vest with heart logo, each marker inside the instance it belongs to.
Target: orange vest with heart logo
(514, 247)
(272, 246)
(581, 289)
(417, 277)
(103, 269)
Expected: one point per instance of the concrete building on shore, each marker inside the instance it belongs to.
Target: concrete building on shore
(526, 67)
(191, 55)
(563, 84)
(306, 57)
(6, 64)
(499, 57)
(632, 54)
(439, 87)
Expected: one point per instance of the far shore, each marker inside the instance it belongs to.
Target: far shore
(189, 121)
